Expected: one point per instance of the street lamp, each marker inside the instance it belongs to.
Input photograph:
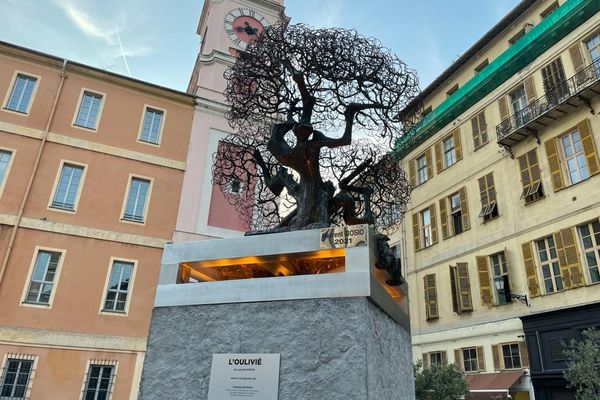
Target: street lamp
(521, 298)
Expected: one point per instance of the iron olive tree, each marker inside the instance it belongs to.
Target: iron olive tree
(316, 113)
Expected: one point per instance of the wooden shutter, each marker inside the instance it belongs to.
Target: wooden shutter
(429, 162)
(434, 234)
(530, 270)
(496, 356)
(464, 285)
(476, 132)
(558, 181)
(530, 90)
(534, 166)
(458, 359)
(444, 357)
(457, 144)
(431, 303)
(553, 76)
(589, 148)
(464, 208)
(485, 201)
(524, 355)
(503, 105)
(412, 172)
(485, 283)
(525, 174)
(455, 290)
(444, 218)
(439, 163)
(416, 235)
(480, 359)
(491, 188)
(576, 57)
(568, 258)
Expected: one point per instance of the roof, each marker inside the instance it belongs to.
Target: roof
(486, 39)
(15, 49)
(500, 381)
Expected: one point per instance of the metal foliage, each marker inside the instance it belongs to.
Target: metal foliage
(316, 113)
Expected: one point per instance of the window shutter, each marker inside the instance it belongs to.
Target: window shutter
(431, 306)
(444, 218)
(434, 234)
(412, 172)
(589, 148)
(485, 284)
(480, 359)
(464, 208)
(524, 355)
(502, 104)
(562, 260)
(457, 144)
(458, 359)
(475, 127)
(429, 162)
(485, 201)
(491, 188)
(534, 167)
(571, 256)
(444, 357)
(439, 164)
(464, 284)
(530, 270)
(525, 176)
(416, 236)
(530, 89)
(554, 164)
(496, 355)
(576, 57)
(426, 360)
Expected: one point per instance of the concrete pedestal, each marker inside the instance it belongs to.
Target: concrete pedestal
(336, 342)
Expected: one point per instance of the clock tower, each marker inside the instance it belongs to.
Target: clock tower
(225, 28)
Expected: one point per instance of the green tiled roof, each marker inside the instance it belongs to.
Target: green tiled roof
(534, 43)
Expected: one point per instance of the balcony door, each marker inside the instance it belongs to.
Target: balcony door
(555, 80)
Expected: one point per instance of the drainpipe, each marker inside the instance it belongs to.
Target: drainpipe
(63, 76)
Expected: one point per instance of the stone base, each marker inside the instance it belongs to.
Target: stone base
(331, 348)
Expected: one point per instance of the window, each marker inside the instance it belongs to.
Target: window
(449, 151)
(510, 356)
(489, 208)
(152, 126)
(548, 258)
(480, 136)
(99, 382)
(590, 240)
(481, 66)
(518, 103)
(526, 28)
(5, 157)
(500, 278)
(454, 213)
(67, 188)
(452, 90)
(460, 285)
(21, 94)
(574, 157)
(431, 303)
(89, 110)
(15, 379)
(593, 46)
(137, 199)
(549, 10)
(421, 170)
(530, 177)
(118, 286)
(42, 277)
(424, 228)
(470, 359)
(426, 111)
(434, 358)
(555, 82)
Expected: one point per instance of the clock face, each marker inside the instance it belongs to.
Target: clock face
(244, 25)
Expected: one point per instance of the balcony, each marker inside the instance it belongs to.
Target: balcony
(566, 95)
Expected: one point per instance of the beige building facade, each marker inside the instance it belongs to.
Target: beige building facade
(502, 228)
(91, 170)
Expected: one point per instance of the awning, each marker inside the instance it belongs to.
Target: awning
(494, 382)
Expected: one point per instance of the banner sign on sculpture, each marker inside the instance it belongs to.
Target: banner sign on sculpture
(344, 236)
(244, 376)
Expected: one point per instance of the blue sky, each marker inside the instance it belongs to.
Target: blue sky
(156, 41)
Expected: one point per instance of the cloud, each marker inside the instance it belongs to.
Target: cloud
(86, 23)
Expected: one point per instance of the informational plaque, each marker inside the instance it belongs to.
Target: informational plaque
(244, 376)
(344, 236)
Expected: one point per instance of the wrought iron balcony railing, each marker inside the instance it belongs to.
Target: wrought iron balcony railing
(554, 97)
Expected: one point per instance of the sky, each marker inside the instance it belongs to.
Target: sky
(156, 40)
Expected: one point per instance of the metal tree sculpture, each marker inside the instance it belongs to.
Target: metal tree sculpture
(298, 97)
